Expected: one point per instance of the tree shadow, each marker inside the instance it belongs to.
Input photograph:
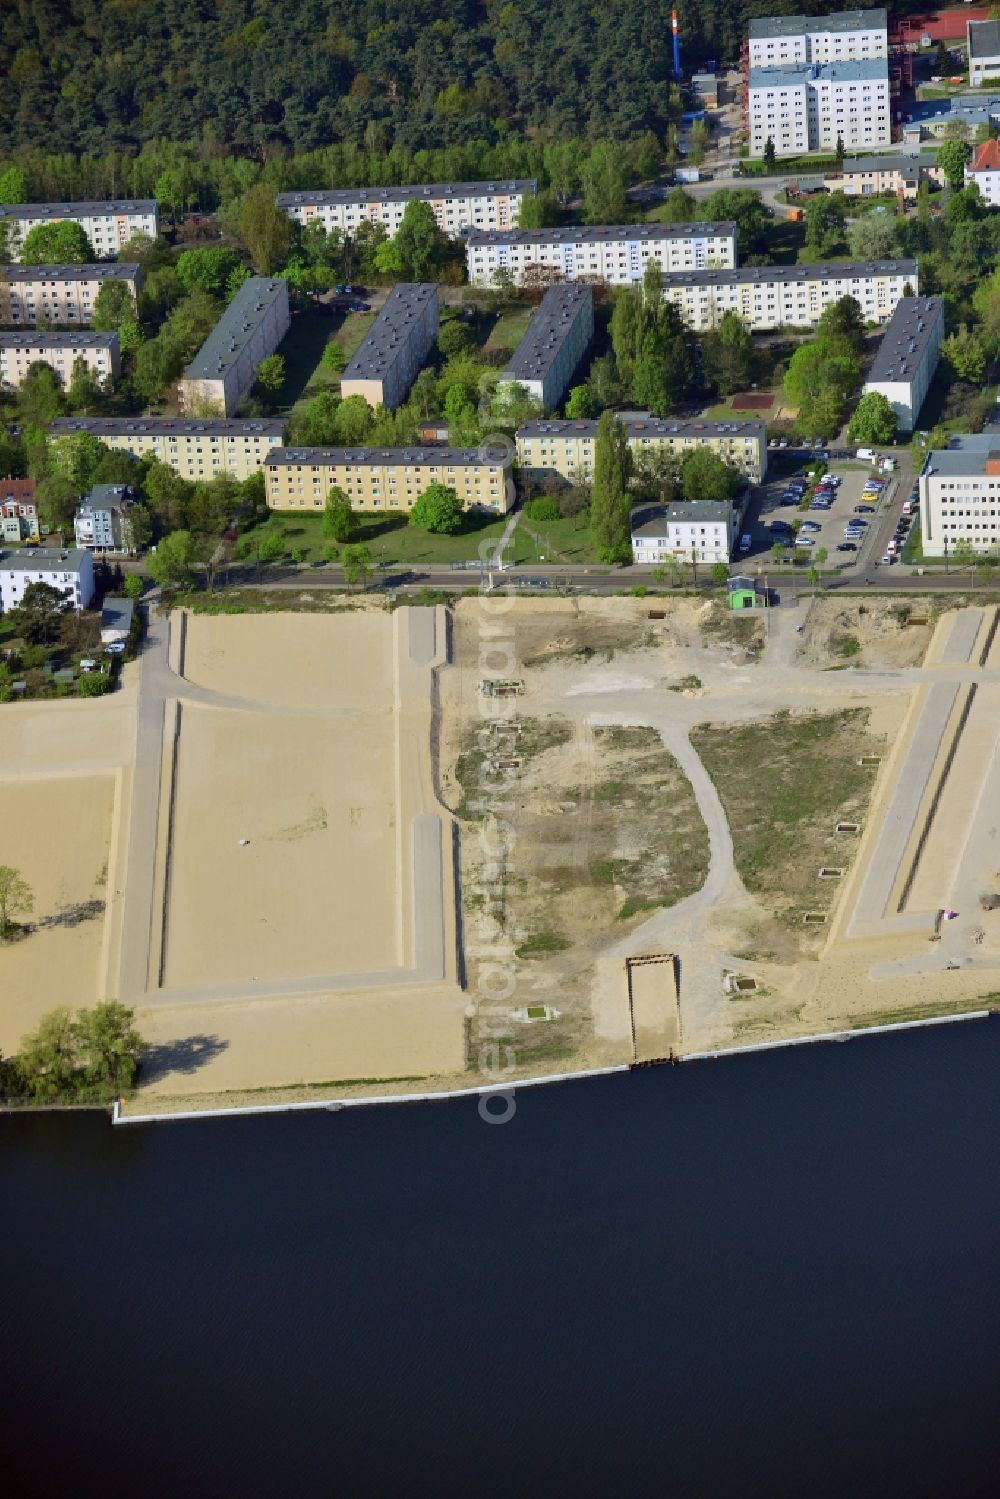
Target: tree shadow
(184, 1056)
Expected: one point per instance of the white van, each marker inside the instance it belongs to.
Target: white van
(867, 455)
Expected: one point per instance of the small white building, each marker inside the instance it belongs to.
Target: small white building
(908, 356)
(984, 51)
(960, 495)
(71, 572)
(699, 530)
(102, 522)
(117, 619)
(983, 170)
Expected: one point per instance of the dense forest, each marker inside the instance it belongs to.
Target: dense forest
(256, 78)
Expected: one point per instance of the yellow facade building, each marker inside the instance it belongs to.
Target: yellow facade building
(387, 478)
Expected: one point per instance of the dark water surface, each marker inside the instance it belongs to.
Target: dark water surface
(776, 1275)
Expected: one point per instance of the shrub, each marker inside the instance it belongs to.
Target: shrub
(543, 507)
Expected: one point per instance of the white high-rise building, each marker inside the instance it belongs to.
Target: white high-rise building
(615, 253)
(803, 107)
(848, 36)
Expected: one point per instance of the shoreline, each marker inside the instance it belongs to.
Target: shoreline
(508, 1089)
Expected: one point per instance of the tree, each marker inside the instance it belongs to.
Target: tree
(728, 354)
(539, 211)
(132, 587)
(438, 510)
(603, 181)
(770, 155)
(840, 153)
(209, 269)
(842, 324)
(333, 357)
(172, 564)
(266, 231)
(453, 338)
(271, 373)
(61, 242)
(16, 898)
(825, 220)
(873, 419)
(39, 615)
(57, 498)
(92, 1054)
(339, 521)
(965, 355)
(85, 394)
(40, 396)
(952, 156)
(113, 307)
(610, 503)
(167, 495)
(580, 403)
(874, 236)
(417, 241)
(704, 476)
(719, 574)
(746, 209)
(13, 186)
(357, 565)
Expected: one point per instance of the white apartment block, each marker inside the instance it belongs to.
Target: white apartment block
(226, 365)
(809, 106)
(102, 522)
(960, 495)
(109, 226)
(984, 171)
(983, 39)
(194, 448)
(616, 254)
(57, 294)
(790, 296)
(691, 530)
(908, 356)
(60, 351)
(71, 572)
(387, 478)
(458, 206)
(848, 36)
(557, 338)
(565, 449)
(396, 346)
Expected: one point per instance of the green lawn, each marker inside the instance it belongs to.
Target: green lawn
(391, 539)
(305, 374)
(510, 327)
(554, 541)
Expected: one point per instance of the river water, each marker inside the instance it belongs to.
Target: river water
(770, 1275)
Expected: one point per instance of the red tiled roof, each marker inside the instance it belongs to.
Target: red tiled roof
(986, 157)
(17, 489)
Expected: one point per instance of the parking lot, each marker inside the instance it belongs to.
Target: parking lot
(825, 528)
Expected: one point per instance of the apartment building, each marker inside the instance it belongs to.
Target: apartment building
(615, 253)
(57, 294)
(458, 206)
(805, 107)
(71, 572)
(847, 36)
(901, 175)
(60, 351)
(960, 495)
(790, 296)
(226, 365)
(908, 356)
(396, 346)
(387, 478)
(984, 171)
(557, 338)
(691, 530)
(109, 226)
(938, 119)
(196, 448)
(565, 449)
(983, 38)
(18, 510)
(101, 522)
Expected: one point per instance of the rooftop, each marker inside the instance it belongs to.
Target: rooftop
(250, 307)
(116, 613)
(984, 38)
(903, 163)
(697, 512)
(552, 323)
(830, 270)
(77, 210)
(107, 496)
(432, 191)
(845, 20)
(968, 456)
(647, 426)
(108, 270)
(985, 158)
(68, 340)
(789, 75)
(391, 330)
(913, 325)
(168, 426)
(583, 234)
(971, 109)
(414, 457)
(43, 559)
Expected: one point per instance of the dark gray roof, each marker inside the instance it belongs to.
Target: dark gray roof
(647, 426)
(364, 457)
(77, 210)
(557, 315)
(966, 455)
(236, 327)
(851, 70)
(43, 559)
(829, 270)
(845, 20)
(69, 340)
(902, 162)
(428, 190)
(107, 497)
(116, 613)
(391, 330)
(984, 38)
(166, 426)
(913, 325)
(708, 512)
(584, 234)
(107, 270)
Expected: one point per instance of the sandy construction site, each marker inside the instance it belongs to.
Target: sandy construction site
(369, 850)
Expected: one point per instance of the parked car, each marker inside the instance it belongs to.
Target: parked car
(888, 559)
(805, 541)
(847, 546)
(864, 510)
(746, 542)
(811, 525)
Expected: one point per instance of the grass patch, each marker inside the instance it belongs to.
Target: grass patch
(931, 1011)
(261, 601)
(566, 540)
(509, 328)
(388, 536)
(538, 944)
